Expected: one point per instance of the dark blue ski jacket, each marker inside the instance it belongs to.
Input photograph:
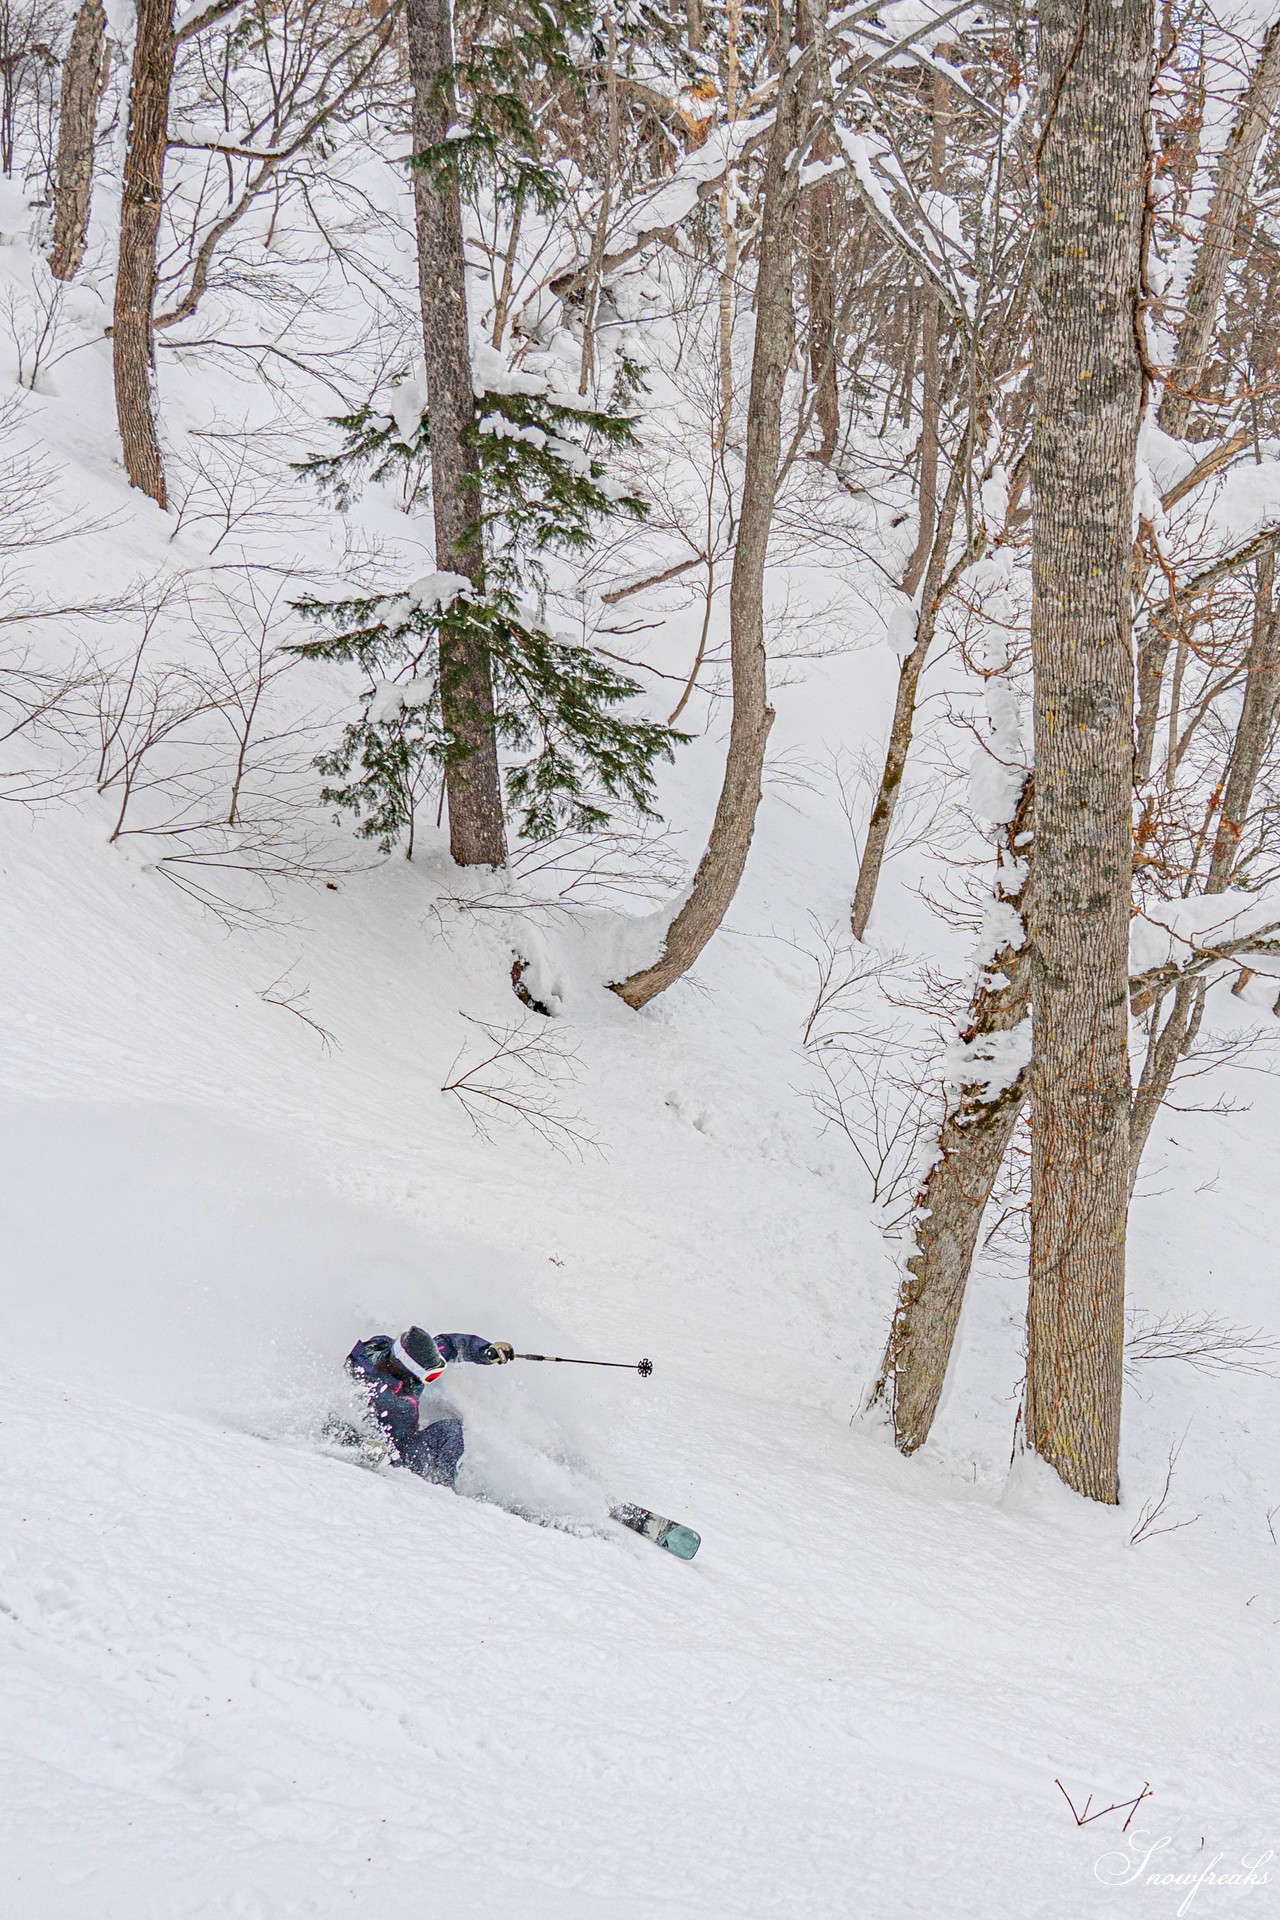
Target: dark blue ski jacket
(393, 1394)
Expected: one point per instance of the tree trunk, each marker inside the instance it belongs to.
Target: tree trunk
(953, 1196)
(477, 836)
(880, 825)
(721, 867)
(933, 543)
(1172, 1039)
(1153, 653)
(821, 237)
(1095, 72)
(1257, 718)
(930, 356)
(1213, 257)
(1169, 1041)
(131, 333)
(83, 72)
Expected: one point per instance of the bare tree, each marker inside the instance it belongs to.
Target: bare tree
(518, 1077)
(721, 866)
(1208, 280)
(312, 65)
(1202, 1341)
(314, 88)
(1093, 158)
(28, 29)
(968, 322)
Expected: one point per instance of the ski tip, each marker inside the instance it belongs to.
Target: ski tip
(669, 1534)
(682, 1541)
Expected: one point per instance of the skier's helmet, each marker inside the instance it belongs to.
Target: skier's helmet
(418, 1353)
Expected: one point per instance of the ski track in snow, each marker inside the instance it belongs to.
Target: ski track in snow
(243, 1680)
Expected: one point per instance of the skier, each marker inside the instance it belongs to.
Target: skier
(393, 1373)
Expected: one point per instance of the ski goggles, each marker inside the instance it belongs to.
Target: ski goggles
(425, 1362)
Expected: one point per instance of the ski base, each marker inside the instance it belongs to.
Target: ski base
(682, 1541)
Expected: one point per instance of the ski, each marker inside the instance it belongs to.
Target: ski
(682, 1541)
(339, 1439)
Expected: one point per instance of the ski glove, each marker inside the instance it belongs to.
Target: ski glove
(499, 1352)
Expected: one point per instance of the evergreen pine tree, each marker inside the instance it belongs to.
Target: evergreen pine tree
(543, 488)
(461, 661)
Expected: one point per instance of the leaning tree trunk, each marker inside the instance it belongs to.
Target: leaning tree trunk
(928, 561)
(902, 725)
(1173, 1034)
(477, 836)
(822, 241)
(972, 1142)
(132, 339)
(1205, 289)
(721, 867)
(1213, 257)
(1253, 734)
(83, 72)
(1093, 159)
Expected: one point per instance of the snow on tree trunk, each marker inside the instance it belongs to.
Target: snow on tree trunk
(1093, 164)
(987, 1075)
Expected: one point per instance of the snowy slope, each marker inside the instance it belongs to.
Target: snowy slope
(246, 1679)
(243, 1679)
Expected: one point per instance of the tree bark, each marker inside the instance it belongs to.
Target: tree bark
(477, 836)
(1173, 1037)
(132, 337)
(1213, 256)
(1169, 1041)
(880, 825)
(929, 558)
(953, 1196)
(1153, 653)
(822, 242)
(721, 867)
(930, 356)
(83, 72)
(1257, 719)
(1092, 163)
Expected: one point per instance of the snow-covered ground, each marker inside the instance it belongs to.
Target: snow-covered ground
(244, 1679)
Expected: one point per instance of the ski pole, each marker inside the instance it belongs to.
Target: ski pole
(643, 1367)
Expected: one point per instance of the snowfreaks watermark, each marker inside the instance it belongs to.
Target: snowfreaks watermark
(1140, 1863)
